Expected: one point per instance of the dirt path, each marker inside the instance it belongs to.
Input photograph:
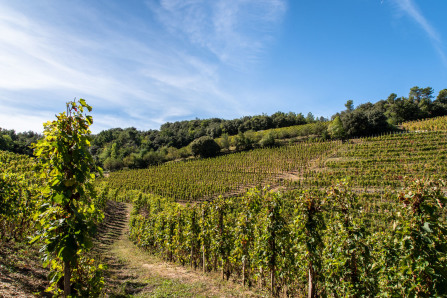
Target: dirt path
(134, 272)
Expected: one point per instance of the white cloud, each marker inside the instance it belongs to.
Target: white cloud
(235, 32)
(411, 9)
(22, 119)
(133, 75)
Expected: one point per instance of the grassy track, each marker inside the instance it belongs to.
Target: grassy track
(133, 272)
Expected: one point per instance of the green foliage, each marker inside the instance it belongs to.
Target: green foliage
(19, 196)
(243, 142)
(205, 147)
(323, 239)
(225, 142)
(420, 239)
(268, 140)
(366, 119)
(349, 105)
(18, 142)
(88, 276)
(349, 269)
(336, 130)
(67, 217)
(308, 228)
(6, 142)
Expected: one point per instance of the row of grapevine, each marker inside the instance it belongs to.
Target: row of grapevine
(370, 163)
(19, 196)
(384, 161)
(206, 178)
(298, 242)
(431, 124)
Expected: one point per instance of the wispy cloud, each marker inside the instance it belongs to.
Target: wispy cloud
(129, 71)
(413, 11)
(235, 32)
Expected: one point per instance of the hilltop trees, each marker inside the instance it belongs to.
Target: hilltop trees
(417, 105)
(18, 142)
(440, 104)
(366, 119)
(369, 119)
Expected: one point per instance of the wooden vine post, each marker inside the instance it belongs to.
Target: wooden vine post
(221, 239)
(203, 241)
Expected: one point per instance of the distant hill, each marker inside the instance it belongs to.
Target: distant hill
(119, 148)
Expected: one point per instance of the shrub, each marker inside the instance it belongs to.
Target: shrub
(205, 147)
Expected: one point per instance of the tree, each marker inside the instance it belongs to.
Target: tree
(336, 129)
(310, 118)
(442, 96)
(440, 104)
(6, 142)
(391, 98)
(268, 140)
(417, 94)
(355, 123)
(225, 143)
(349, 105)
(205, 147)
(68, 219)
(401, 109)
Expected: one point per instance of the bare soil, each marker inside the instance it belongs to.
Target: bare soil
(21, 272)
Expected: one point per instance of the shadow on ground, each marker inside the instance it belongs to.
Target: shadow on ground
(119, 279)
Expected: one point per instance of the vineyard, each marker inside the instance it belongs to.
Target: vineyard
(433, 124)
(361, 218)
(381, 162)
(369, 164)
(233, 173)
(326, 240)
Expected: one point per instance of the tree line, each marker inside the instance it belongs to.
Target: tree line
(18, 142)
(119, 148)
(385, 115)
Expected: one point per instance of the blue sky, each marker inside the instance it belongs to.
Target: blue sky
(143, 63)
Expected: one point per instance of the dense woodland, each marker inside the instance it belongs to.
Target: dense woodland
(119, 148)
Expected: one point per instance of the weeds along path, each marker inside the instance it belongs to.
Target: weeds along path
(134, 272)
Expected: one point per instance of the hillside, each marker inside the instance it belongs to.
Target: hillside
(213, 213)
(345, 194)
(369, 163)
